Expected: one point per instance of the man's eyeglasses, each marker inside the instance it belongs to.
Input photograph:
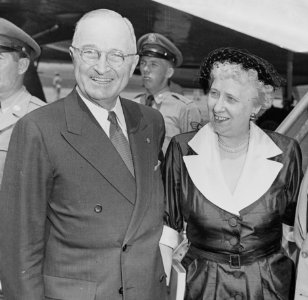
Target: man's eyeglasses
(91, 56)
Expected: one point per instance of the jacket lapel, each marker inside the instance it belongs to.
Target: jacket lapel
(259, 171)
(86, 136)
(140, 136)
(258, 174)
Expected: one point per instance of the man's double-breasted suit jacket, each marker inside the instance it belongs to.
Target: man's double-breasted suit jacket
(75, 224)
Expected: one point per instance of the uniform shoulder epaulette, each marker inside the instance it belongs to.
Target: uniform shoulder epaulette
(181, 98)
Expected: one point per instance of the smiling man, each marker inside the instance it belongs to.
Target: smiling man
(158, 58)
(82, 194)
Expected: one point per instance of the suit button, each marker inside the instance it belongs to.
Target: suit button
(124, 248)
(98, 208)
(234, 241)
(232, 222)
(161, 278)
(121, 290)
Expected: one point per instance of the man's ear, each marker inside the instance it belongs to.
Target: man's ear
(23, 65)
(170, 72)
(71, 53)
(134, 65)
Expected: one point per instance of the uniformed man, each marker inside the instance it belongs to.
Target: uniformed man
(158, 58)
(17, 49)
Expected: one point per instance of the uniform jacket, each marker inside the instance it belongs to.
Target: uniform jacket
(180, 113)
(84, 229)
(22, 103)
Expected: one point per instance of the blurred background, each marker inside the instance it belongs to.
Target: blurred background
(274, 30)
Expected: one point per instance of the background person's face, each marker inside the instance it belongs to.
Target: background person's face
(8, 73)
(154, 73)
(230, 104)
(101, 82)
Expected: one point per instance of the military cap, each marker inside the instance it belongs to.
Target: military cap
(12, 38)
(156, 45)
(266, 71)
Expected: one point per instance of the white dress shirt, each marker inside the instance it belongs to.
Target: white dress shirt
(101, 114)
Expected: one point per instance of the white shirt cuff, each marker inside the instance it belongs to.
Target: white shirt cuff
(170, 237)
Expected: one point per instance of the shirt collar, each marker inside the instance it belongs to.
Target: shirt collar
(97, 109)
(160, 96)
(258, 174)
(263, 143)
(10, 101)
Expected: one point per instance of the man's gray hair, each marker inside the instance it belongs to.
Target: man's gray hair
(107, 13)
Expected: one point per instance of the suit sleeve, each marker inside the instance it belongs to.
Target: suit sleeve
(172, 180)
(161, 136)
(295, 175)
(25, 191)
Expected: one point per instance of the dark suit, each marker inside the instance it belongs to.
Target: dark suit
(80, 226)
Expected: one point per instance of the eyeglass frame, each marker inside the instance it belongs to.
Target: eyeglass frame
(80, 52)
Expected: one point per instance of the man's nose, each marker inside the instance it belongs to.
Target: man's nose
(102, 63)
(145, 68)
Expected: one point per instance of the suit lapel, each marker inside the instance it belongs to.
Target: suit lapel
(86, 136)
(141, 136)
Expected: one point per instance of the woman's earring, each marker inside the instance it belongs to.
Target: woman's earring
(253, 116)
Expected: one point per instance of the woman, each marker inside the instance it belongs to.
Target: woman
(234, 185)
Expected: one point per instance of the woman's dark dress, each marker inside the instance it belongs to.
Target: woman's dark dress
(256, 231)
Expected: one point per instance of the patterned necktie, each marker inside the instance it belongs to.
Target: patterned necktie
(149, 100)
(120, 142)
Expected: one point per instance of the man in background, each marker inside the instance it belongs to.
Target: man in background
(17, 49)
(82, 195)
(158, 58)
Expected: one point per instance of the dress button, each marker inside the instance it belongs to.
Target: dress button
(121, 290)
(98, 208)
(124, 248)
(232, 222)
(234, 241)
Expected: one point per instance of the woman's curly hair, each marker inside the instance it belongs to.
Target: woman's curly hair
(232, 62)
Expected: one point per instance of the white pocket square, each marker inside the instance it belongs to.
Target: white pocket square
(157, 166)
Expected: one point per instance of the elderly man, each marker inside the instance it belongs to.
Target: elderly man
(83, 197)
(158, 58)
(17, 48)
